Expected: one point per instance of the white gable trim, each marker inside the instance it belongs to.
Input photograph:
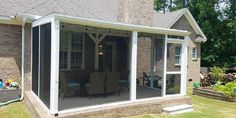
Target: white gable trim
(192, 22)
(176, 19)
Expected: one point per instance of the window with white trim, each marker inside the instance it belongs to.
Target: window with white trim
(194, 53)
(71, 50)
(63, 50)
(177, 55)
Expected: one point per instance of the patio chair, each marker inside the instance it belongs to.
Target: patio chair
(96, 84)
(68, 85)
(146, 79)
(112, 82)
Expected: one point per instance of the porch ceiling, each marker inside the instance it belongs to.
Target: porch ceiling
(109, 25)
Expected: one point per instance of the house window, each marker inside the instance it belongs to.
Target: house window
(71, 50)
(77, 50)
(63, 50)
(177, 55)
(194, 53)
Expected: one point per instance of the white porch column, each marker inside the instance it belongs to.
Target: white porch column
(133, 65)
(184, 64)
(96, 56)
(164, 66)
(55, 46)
(152, 62)
(96, 41)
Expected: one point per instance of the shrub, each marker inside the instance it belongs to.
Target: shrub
(227, 89)
(217, 73)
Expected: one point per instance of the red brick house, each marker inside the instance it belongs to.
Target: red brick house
(69, 54)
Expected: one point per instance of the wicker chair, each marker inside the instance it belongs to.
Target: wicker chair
(68, 85)
(96, 84)
(112, 82)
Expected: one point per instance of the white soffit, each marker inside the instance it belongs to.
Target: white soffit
(119, 26)
(109, 25)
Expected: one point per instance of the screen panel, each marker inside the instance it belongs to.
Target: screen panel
(45, 63)
(35, 59)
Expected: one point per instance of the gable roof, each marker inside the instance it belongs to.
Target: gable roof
(164, 20)
(167, 20)
(95, 9)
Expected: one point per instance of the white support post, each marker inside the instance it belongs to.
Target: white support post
(184, 65)
(55, 46)
(96, 41)
(152, 62)
(133, 65)
(96, 56)
(164, 66)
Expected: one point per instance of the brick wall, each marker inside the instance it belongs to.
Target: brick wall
(138, 12)
(143, 55)
(193, 65)
(10, 51)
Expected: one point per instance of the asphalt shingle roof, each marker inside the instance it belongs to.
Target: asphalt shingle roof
(164, 20)
(94, 9)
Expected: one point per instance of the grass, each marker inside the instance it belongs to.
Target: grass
(203, 108)
(15, 110)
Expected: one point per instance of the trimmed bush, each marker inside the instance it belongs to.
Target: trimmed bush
(227, 89)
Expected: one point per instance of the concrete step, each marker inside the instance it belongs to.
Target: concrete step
(178, 109)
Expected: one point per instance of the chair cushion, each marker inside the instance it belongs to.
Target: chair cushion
(73, 83)
(123, 81)
(87, 84)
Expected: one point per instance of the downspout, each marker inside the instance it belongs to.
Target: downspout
(22, 66)
(22, 58)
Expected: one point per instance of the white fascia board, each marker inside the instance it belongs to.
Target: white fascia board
(4, 17)
(118, 26)
(9, 20)
(43, 20)
(29, 18)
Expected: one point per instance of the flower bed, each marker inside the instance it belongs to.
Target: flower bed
(208, 92)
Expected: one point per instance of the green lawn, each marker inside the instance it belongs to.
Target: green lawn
(14, 110)
(203, 108)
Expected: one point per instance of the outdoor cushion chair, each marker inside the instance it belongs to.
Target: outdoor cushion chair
(146, 79)
(96, 84)
(68, 84)
(112, 82)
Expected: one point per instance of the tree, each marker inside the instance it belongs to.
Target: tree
(218, 24)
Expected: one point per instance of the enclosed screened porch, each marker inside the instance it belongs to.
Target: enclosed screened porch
(80, 64)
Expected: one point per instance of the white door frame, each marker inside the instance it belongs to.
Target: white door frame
(183, 70)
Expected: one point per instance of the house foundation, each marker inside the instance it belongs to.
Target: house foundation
(121, 110)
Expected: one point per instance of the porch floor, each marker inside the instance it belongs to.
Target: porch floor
(77, 101)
